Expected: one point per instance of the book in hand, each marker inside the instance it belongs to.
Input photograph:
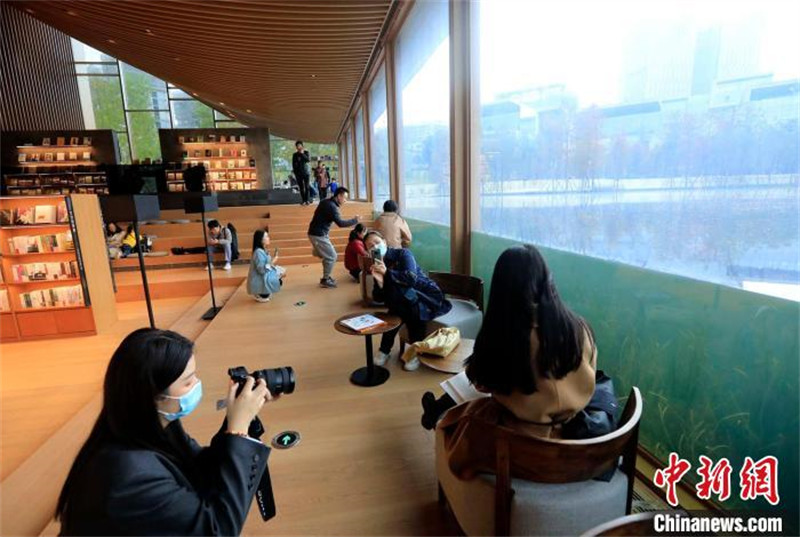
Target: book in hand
(362, 323)
(461, 389)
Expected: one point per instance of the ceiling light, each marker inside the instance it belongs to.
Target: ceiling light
(193, 93)
(148, 31)
(72, 13)
(112, 41)
(222, 104)
(313, 76)
(177, 59)
(29, 10)
(249, 111)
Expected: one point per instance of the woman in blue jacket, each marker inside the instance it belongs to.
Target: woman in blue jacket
(264, 277)
(407, 291)
(139, 473)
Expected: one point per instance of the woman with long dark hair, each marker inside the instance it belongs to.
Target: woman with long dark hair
(139, 473)
(264, 277)
(533, 355)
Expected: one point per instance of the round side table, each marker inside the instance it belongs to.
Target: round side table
(371, 375)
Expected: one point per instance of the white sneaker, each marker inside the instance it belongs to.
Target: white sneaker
(210, 266)
(411, 365)
(382, 358)
(227, 266)
(261, 298)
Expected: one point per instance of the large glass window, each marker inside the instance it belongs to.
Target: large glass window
(282, 150)
(622, 137)
(361, 155)
(423, 95)
(351, 170)
(379, 141)
(144, 128)
(143, 91)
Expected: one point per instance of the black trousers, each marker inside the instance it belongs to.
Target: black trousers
(416, 332)
(323, 193)
(302, 183)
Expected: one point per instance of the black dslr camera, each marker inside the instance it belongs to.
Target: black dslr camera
(279, 380)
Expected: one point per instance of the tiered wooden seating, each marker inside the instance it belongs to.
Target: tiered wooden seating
(287, 226)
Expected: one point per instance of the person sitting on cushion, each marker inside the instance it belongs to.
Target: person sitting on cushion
(406, 290)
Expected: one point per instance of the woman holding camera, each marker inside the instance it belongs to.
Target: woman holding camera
(139, 473)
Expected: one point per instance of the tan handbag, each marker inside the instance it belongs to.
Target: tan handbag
(440, 343)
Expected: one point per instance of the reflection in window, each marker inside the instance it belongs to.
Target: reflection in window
(360, 155)
(423, 90)
(379, 141)
(626, 138)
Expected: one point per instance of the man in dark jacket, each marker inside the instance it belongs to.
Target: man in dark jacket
(327, 213)
(300, 167)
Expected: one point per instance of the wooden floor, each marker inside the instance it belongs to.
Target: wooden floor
(364, 465)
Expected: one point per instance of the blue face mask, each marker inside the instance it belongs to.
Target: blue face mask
(381, 247)
(188, 402)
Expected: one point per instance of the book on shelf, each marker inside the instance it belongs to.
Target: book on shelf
(196, 152)
(212, 138)
(41, 272)
(72, 155)
(362, 323)
(45, 141)
(62, 216)
(45, 214)
(87, 140)
(74, 141)
(208, 153)
(87, 155)
(59, 157)
(21, 157)
(222, 138)
(48, 157)
(54, 297)
(181, 139)
(24, 216)
(243, 153)
(6, 217)
(231, 164)
(34, 157)
(60, 140)
(242, 138)
(39, 244)
(4, 303)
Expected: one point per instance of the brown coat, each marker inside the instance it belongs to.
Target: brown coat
(469, 428)
(394, 229)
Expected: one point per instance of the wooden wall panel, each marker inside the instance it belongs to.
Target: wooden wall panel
(38, 85)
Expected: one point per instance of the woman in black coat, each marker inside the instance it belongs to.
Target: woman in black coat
(139, 473)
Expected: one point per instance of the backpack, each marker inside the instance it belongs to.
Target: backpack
(234, 242)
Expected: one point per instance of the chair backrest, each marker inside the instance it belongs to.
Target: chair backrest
(460, 286)
(564, 461)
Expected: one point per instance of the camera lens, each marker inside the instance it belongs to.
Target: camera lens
(279, 380)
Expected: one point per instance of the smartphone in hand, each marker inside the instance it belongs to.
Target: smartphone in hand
(276, 253)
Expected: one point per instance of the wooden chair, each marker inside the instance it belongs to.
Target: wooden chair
(468, 294)
(638, 525)
(563, 476)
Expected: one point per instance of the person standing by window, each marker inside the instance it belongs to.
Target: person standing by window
(300, 167)
(322, 178)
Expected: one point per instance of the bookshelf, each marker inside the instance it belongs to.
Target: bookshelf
(40, 163)
(234, 158)
(55, 280)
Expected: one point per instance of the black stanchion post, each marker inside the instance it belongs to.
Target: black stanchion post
(203, 204)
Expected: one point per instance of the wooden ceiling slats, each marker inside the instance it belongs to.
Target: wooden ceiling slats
(256, 55)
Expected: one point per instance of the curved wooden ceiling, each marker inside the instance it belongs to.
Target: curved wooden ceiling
(289, 65)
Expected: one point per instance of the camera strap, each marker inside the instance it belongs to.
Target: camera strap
(264, 497)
